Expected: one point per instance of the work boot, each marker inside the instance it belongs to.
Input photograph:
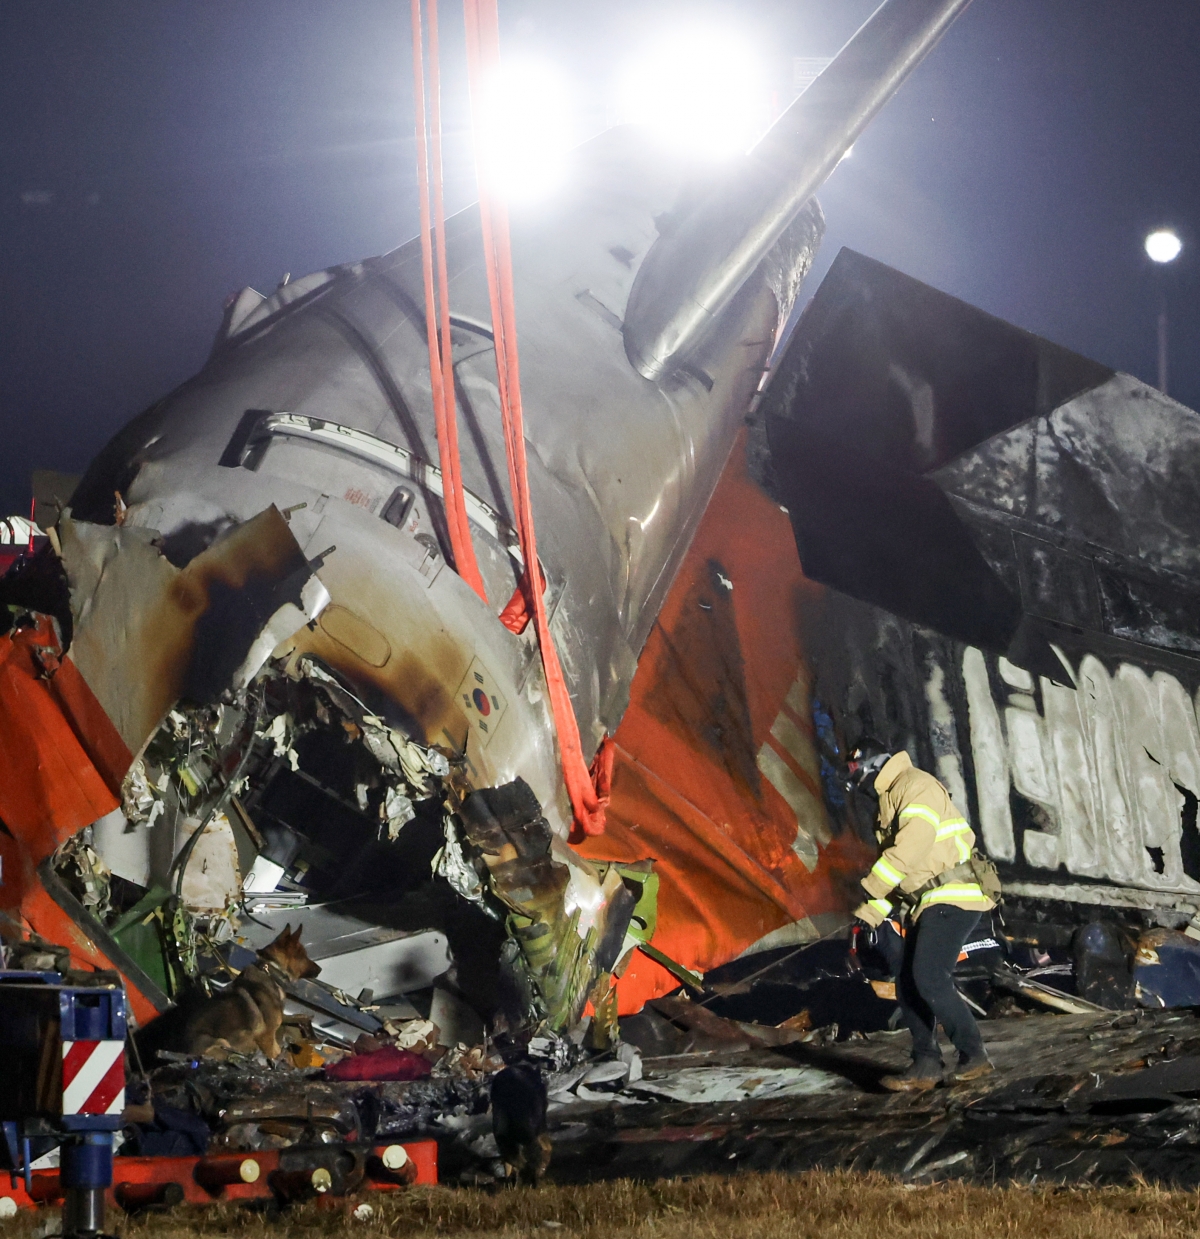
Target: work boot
(971, 1067)
(923, 1075)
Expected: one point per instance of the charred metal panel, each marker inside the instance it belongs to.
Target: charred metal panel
(884, 381)
(1057, 584)
(1159, 612)
(1101, 503)
(1115, 466)
(621, 469)
(912, 376)
(1084, 794)
(147, 633)
(1076, 490)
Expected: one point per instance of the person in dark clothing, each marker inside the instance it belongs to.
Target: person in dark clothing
(925, 985)
(519, 1122)
(925, 867)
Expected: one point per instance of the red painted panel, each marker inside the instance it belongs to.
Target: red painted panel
(61, 766)
(692, 787)
(50, 786)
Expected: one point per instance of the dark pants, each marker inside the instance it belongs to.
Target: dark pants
(925, 980)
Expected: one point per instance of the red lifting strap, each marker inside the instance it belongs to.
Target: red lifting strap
(588, 789)
(437, 312)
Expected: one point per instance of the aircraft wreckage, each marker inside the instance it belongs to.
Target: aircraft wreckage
(244, 685)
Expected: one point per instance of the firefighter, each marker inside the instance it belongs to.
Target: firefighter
(926, 867)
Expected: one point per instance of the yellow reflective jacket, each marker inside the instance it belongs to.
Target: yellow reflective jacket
(923, 835)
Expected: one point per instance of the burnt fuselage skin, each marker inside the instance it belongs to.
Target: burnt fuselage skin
(319, 396)
(648, 302)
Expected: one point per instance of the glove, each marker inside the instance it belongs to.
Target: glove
(866, 915)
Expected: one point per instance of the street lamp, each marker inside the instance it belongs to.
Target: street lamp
(1162, 247)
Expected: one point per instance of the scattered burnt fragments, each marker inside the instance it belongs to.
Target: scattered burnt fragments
(1075, 1099)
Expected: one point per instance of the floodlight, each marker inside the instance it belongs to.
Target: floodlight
(1163, 245)
(700, 91)
(528, 128)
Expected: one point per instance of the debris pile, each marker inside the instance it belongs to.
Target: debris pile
(1095, 1099)
(441, 929)
(295, 793)
(443, 922)
(262, 782)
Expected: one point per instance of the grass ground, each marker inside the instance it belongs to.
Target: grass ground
(748, 1206)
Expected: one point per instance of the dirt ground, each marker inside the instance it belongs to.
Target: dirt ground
(810, 1206)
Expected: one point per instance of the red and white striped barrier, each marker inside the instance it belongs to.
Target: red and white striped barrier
(93, 1077)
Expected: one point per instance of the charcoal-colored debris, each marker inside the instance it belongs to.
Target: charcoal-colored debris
(159, 1129)
(518, 1100)
(424, 1107)
(1074, 1099)
(1166, 969)
(248, 1105)
(773, 987)
(1102, 966)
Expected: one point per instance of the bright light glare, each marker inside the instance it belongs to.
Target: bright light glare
(701, 92)
(527, 129)
(1163, 246)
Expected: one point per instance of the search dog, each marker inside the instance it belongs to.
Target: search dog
(243, 1017)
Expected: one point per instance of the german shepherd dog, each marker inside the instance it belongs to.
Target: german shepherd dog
(244, 1017)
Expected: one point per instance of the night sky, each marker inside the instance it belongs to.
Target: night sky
(157, 156)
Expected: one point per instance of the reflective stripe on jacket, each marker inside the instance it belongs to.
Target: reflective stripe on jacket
(928, 835)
